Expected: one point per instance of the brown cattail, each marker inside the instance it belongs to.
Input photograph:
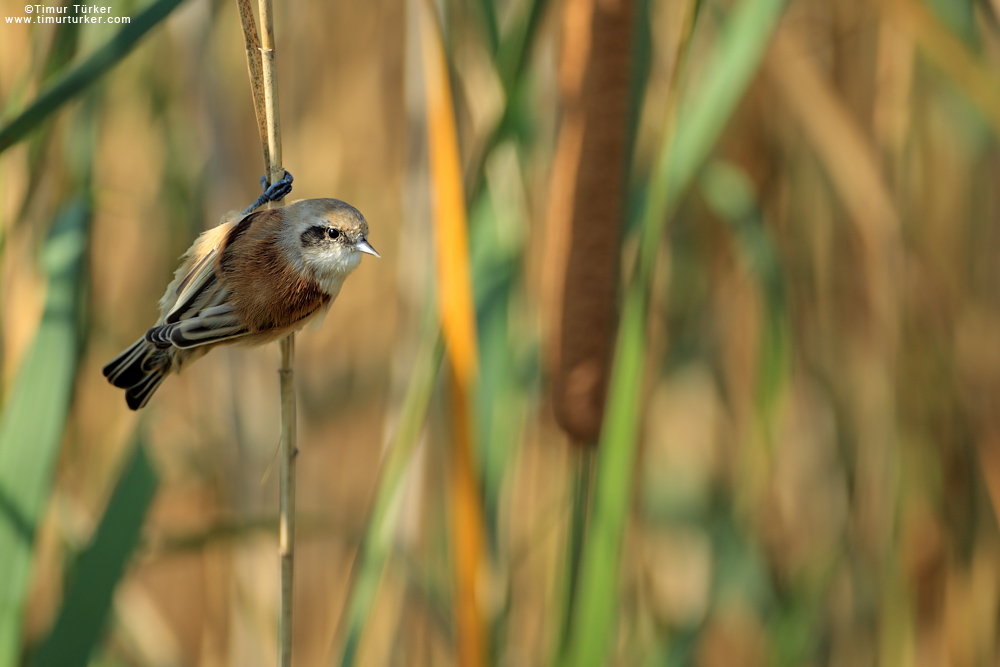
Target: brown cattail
(586, 205)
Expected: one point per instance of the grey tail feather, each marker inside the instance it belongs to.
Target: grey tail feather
(139, 370)
(137, 395)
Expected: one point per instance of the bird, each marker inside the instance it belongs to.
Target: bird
(249, 281)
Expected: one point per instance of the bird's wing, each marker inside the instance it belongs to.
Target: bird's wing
(201, 313)
(200, 288)
(210, 325)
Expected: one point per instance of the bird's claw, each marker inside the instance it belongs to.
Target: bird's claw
(277, 190)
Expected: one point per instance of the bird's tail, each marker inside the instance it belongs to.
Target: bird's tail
(139, 370)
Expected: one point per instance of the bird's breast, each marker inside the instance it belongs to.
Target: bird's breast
(267, 293)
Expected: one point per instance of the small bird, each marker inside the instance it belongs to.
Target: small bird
(246, 282)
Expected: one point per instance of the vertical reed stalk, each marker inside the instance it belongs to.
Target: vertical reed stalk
(263, 81)
(256, 69)
(286, 495)
(286, 530)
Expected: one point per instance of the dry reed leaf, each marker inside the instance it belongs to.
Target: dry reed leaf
(849, 159)
(840, 143)
(893, 87)
(947, 52)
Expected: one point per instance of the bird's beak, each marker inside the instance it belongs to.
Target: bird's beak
(364, 246)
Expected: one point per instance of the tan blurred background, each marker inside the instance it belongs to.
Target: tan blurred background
(819, 460)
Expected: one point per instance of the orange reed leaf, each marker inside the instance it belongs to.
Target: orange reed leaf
(455, 304)
(454, 276)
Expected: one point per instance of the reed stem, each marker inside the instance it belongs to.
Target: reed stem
(264, 83)
(286, 509)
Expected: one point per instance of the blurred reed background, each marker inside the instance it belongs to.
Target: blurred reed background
(768, 227)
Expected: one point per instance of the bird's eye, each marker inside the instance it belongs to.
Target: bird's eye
(333, 233)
